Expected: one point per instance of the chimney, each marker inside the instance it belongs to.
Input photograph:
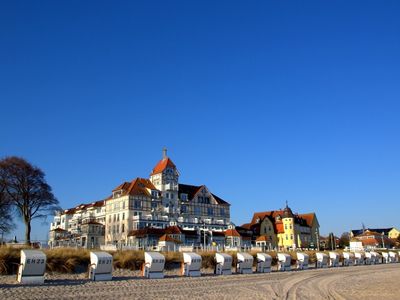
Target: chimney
(164, 152)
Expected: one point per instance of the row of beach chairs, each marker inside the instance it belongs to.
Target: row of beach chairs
(33, 263)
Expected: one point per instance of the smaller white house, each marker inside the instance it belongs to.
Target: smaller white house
(356, 246)
(167, 243)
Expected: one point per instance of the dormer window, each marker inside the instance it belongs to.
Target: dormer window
(116, 194)
(154, 194)
(184, 197)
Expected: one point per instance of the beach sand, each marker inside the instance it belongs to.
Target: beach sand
(361, 282)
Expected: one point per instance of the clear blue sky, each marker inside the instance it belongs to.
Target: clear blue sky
(262, 101)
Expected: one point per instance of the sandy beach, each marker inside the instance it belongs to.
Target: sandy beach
(362, 282)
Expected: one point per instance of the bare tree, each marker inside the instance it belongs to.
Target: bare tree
(27, 190)
(344, 240)
(6, 223)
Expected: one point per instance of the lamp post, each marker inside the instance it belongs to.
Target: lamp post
(204, 233)
(317, 238)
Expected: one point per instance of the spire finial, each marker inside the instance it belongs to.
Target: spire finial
(164, 152)
(286, 203)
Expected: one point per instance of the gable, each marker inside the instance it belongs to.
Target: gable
(162, 165)
(194, 191)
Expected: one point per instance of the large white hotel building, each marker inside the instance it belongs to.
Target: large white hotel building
(140, 208)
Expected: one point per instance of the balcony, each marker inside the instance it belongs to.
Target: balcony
(171, 187)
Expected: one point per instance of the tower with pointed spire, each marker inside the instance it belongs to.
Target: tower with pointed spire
(165, 175)
(290, 240)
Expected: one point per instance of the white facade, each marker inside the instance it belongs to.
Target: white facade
(157, 202)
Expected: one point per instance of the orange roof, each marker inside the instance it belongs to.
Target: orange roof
(122, 186)
(262, 238)
(246, 226)
(166, 238)
(95, 204)
(173, 230)
(369, 233)
(308, 217)
(232, 232)
(279, 227)
(262, 215)
(370, 242)
(162, 165)
(69, 211)
(82, 206)
(138, 186)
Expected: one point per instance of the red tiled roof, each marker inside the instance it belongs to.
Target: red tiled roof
(166, 238)
(83, 206)
(304, 219)
(369, 233)
(279, 227)
(262, 215)
(308, 217)
(146, 231)
(173, 230)
(371, 241)
(262, 238)
(138, 186)
(156, 231)
(232, 232)
(69, 211)
(122, 186)
(246, 226)
(95, 204)
(162, 165)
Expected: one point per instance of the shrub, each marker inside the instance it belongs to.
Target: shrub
(67, 260)
(126, 259)
(9, 260)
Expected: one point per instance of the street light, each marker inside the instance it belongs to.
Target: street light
(204, 232)
(317, 237)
